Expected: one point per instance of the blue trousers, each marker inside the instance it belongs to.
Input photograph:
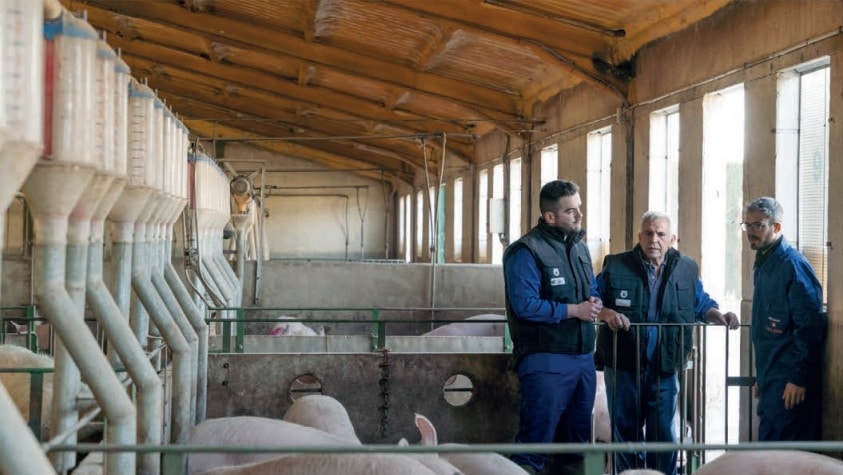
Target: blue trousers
(557, 397)
(803, 422)
(635, 403)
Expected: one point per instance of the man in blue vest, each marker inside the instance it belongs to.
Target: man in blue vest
(551, 306)
(788, 330)
(652, 283)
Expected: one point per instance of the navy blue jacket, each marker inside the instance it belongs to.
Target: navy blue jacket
(788, 322)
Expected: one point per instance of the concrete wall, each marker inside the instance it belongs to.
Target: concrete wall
(315, 212)
(373, 284)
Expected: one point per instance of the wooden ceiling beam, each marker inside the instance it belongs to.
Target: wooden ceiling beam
(261, 105)
(170, 65)
(511, 23)
(552, 37)
(404, 151)
(214, 131)
(258, 38)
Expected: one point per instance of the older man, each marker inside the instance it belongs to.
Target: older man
(652, 283)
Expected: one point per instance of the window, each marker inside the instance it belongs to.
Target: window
(432, 216)
(408, 227)
(498, 195)
(598, 178)
(420, 224)
(722, 195)
(482, 215)
(402, 226)
(458, 219)
(802, 160)
(664, 163)
(514, 230)
(550, 164)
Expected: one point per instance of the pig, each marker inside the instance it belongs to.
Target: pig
(485, 463)
(772, 462)
(17, 384)
(602, 423)
(250, 430)
(330, 464)
(42, 331)
(294, 329)
(481, 463)
(324, 413)
(495, 328)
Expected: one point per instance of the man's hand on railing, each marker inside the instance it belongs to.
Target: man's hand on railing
(614, 320)
(728, 319)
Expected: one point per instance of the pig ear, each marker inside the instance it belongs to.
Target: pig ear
(428, 432)
(403, 442)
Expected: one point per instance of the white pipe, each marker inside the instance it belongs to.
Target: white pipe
(156, 267)
(198, 322)
(149, 298)
(19, 450)
(123, 342)
(21, 146)
(66, 182)
(241, 222)
(66, 381)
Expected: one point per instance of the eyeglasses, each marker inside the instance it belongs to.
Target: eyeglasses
(756, 226)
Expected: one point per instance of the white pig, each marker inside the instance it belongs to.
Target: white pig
(772, 462)
(253, 431)
(495, 328)
(330, 464)
(482, 463)
(474, 463)
(17, 384)
(324, 413)
(294, 329)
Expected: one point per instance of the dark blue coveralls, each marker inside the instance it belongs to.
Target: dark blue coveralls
(788, 331)
(552, 354)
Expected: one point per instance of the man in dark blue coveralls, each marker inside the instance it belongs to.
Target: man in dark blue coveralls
(788, 330)
(652, 283)
(551, 306)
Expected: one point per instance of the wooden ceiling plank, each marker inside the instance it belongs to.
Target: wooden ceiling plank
(153, 58)
(258, 38)
(249, 102)
(200, 108)
(544, 36)
(214, 131)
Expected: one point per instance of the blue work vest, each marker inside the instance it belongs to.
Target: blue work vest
(628, 293)
(566, 278)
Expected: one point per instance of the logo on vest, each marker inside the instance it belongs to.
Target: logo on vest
(622, 300)
(555, 272)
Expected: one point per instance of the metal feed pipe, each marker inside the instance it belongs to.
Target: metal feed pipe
(157, 257)
(54, 188)
(21, 131)
(179, 198)
(152, 159)
(124, 348)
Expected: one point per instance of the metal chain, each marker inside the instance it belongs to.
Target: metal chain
(384, 394)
